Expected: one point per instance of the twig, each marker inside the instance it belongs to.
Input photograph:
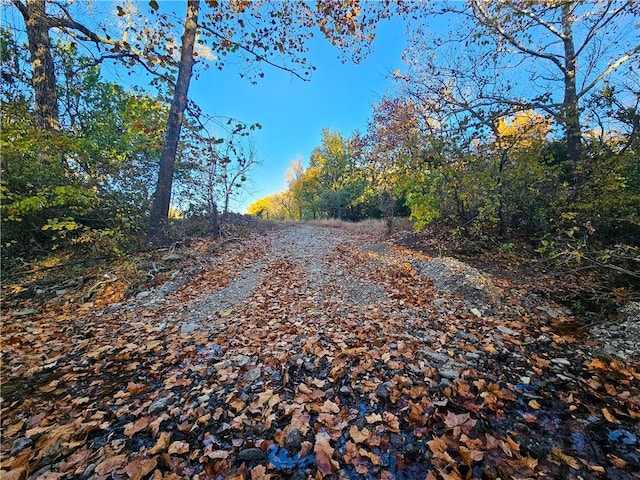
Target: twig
(613, 267)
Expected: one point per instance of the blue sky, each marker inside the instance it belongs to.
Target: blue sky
(293, 112)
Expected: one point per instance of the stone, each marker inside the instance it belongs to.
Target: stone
(454, 276)
(293, 440)
(20, 444)
(253, 374)
(472, 355)
(158, 405)
(449, 371)
(508, 331)
(243, 360)
(435, 356)
(467, 336)
(189, 327)
(27, 312)
(383, 390)
(396, 441)
(549, 311)
(251, 455)
(561, 361)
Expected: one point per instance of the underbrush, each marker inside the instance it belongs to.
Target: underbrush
(592, 278)
(100, 276)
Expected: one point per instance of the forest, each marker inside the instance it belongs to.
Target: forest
(474, 137)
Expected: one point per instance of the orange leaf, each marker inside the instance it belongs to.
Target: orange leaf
(607, 414)
(15, 474)
(260, 473)
(11, 430)
(391, 421)
(134, 388)
(558, 457)
(108, 465)
(597, 364)
(509, 446)
(140, 467)
(437, 446)
(329, 407)
(359, 436)
(374, 418)
(131, 429)
(204, 418)
(161, 444)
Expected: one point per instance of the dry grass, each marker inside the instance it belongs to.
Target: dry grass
(372, 225)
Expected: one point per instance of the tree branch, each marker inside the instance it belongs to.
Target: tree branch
(597, 26)
(512, 40)
(257, 56)
(22, 7)
(540, 22)
(610, 69)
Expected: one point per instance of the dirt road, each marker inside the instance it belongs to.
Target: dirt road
(315, 352)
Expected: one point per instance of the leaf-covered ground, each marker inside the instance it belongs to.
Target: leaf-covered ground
(312, 352)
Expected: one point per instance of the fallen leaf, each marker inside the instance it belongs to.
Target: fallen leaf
(161, 444)
(558, 457)
(178, 447)
(391, 422)
(140, 424)
(329, 407)
(139, 467)
(359, 436)
(534, 404)
(108, 465)
(11, 430)
(323, 451)
(15, 474)
(218, 454)
(462, 421)
(259, 472)
(607, 414)
(373, 418)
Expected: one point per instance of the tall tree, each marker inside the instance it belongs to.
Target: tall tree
(517, 54)
(162, 196)
(43, 79)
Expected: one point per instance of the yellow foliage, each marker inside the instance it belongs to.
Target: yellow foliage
(524, 128)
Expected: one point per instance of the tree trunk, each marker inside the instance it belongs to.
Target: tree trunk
(44, 78)
(162, 196)
(216, 228)
(571, 113)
